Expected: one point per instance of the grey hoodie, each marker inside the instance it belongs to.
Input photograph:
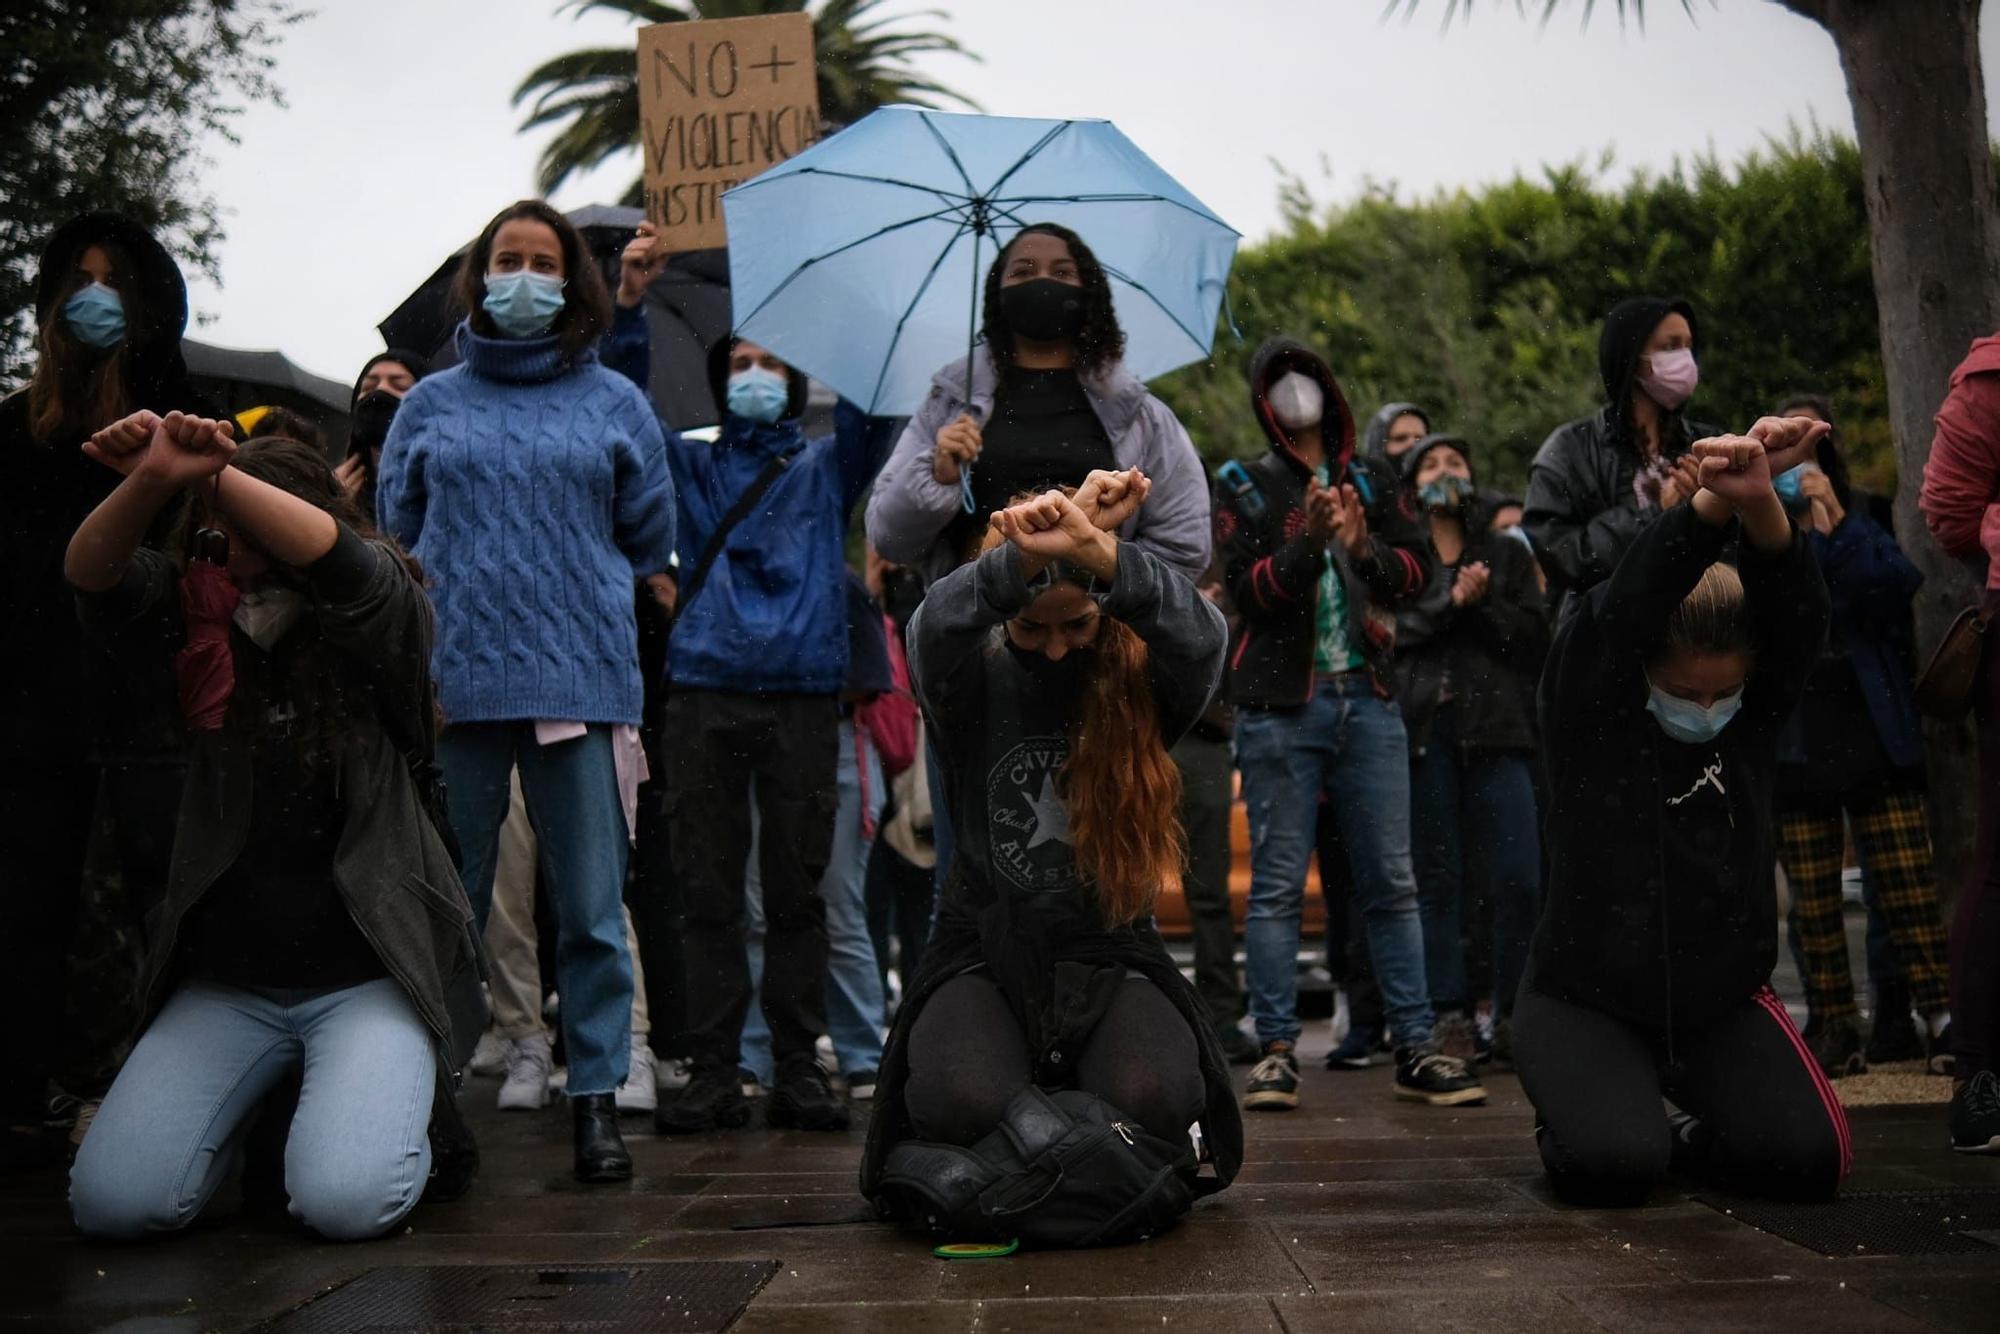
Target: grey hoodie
(910, 509)
(1375, 440)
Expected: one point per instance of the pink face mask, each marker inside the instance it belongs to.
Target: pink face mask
(1673, 377)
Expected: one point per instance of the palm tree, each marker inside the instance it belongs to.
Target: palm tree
(594, 93)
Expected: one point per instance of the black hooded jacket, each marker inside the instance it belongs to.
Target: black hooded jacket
(59, 698)
(1582, 510)
(1272, 565)
(1620, 933)
(1488, 653)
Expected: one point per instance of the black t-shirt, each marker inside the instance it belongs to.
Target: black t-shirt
(276, 918)
(1043, 433)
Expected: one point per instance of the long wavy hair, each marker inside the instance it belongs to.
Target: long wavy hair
(1100, 343)
(328, 691)
(75, 389)
(1120, 788)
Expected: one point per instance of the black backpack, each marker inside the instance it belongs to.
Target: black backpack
(1063, 1169)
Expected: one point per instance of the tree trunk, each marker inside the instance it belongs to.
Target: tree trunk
(1914, 77)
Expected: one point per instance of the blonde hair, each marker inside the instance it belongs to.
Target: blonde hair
(1712, 619)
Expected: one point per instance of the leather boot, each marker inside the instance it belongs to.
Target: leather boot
(600, 1149)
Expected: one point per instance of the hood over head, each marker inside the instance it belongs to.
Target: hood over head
(416, 363)
(1375, 441)
(718, 380)
(1413, 457)
(1623, 338)
(1279, 357)
(144, 269)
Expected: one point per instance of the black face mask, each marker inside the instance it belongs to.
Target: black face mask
(1047, 673)
(369, 425)
(1043, 309)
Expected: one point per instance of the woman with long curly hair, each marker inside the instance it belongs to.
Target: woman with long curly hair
(1043, 402)
(314, 921)
(1054, 672)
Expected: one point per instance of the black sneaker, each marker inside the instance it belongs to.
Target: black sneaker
(802, 1099)
(861, 1085)
(712, 1099)
(1353, 1053)
(1837, 1048)
(1425, 1074)
(1894, 1038)
(1238, 1047)
(1273, 1085)
(1975, 1114)
(1941, 1059)
(1500, 1057)
(1691, 1143)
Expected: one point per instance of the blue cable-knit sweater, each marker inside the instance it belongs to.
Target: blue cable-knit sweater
(534, 489)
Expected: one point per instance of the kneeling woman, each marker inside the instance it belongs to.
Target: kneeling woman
(313, 919)
(1650, 970)
(1054, 672)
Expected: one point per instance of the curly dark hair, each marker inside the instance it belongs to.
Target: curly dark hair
(330, 693)
(586, 311)
(1101, 342)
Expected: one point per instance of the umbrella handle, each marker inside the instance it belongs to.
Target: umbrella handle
(965, 487)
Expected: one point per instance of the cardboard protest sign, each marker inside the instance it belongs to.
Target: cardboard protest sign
(720, 101)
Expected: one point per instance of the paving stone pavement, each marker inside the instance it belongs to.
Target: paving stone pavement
(1354, 1213)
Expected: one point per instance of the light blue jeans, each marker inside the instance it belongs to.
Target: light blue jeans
(1351, 746)
(170, 1129)
(854, 1000)
(571, 789)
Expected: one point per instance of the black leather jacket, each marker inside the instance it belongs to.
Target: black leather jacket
(1491, 651)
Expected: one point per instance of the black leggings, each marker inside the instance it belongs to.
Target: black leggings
(1769, 1121)
(968, 1058)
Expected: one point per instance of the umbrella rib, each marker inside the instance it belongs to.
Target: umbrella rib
(889, 353)
(933, 190)
(1026, 158)
(951, 154)
(1162, 306)
(1117, 199)
(858, 241)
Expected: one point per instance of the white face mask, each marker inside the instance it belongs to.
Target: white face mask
(1297, 401)
(268, 614)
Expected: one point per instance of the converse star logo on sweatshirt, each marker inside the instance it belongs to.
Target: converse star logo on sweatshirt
(1030, 826)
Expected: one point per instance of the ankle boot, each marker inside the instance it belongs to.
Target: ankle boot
(600, 1149)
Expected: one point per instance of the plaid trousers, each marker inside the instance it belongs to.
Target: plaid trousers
(1892, 835)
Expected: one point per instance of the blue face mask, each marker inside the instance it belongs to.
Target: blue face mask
(1446, 494)
(1788, 486)
(523, 304)
(96, 315)
(1685, 720)
(759, 395)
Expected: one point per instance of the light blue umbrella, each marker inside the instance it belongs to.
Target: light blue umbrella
(861, 260)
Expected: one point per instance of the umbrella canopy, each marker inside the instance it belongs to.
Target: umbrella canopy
(860, 261)
(236, 378)
(687, 310)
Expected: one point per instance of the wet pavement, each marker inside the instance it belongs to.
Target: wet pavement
(1355, 1212)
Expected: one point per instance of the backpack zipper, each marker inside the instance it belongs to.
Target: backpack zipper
(1124, 1133)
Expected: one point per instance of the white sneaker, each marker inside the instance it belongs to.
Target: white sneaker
(674, 1074)
(823, 1049)
(639, 1092)
(526, 1087)
(489, 1057)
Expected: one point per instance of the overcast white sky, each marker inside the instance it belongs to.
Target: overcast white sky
(398, 141)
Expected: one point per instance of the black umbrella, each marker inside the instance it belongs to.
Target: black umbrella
(687, 312)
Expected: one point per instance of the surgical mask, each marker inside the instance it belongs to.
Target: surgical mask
(1445, 494)
(96, 315)
(759, 395)
(1673, 378)
(523, 304)
(268, 615)
(1685, 720)
(1297, 401)
(1043, 309)
(1790, 486)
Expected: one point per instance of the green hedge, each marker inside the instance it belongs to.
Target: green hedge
(1484, 305)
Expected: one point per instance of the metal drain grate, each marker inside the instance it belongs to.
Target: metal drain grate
(693, 1297)
(1882, 1222)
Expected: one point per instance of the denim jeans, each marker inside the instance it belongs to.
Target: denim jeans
(1349, 744)
(1479, 807)
(854, 1001)
(169, 1131)
(572, 793)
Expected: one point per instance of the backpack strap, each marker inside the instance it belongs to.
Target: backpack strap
(738, 512)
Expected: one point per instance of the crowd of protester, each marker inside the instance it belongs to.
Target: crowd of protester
(537, 740)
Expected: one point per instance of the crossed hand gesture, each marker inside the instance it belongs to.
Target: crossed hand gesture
(1109, 499)
(1739, 468)
(174, 451)
(1050, 527)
